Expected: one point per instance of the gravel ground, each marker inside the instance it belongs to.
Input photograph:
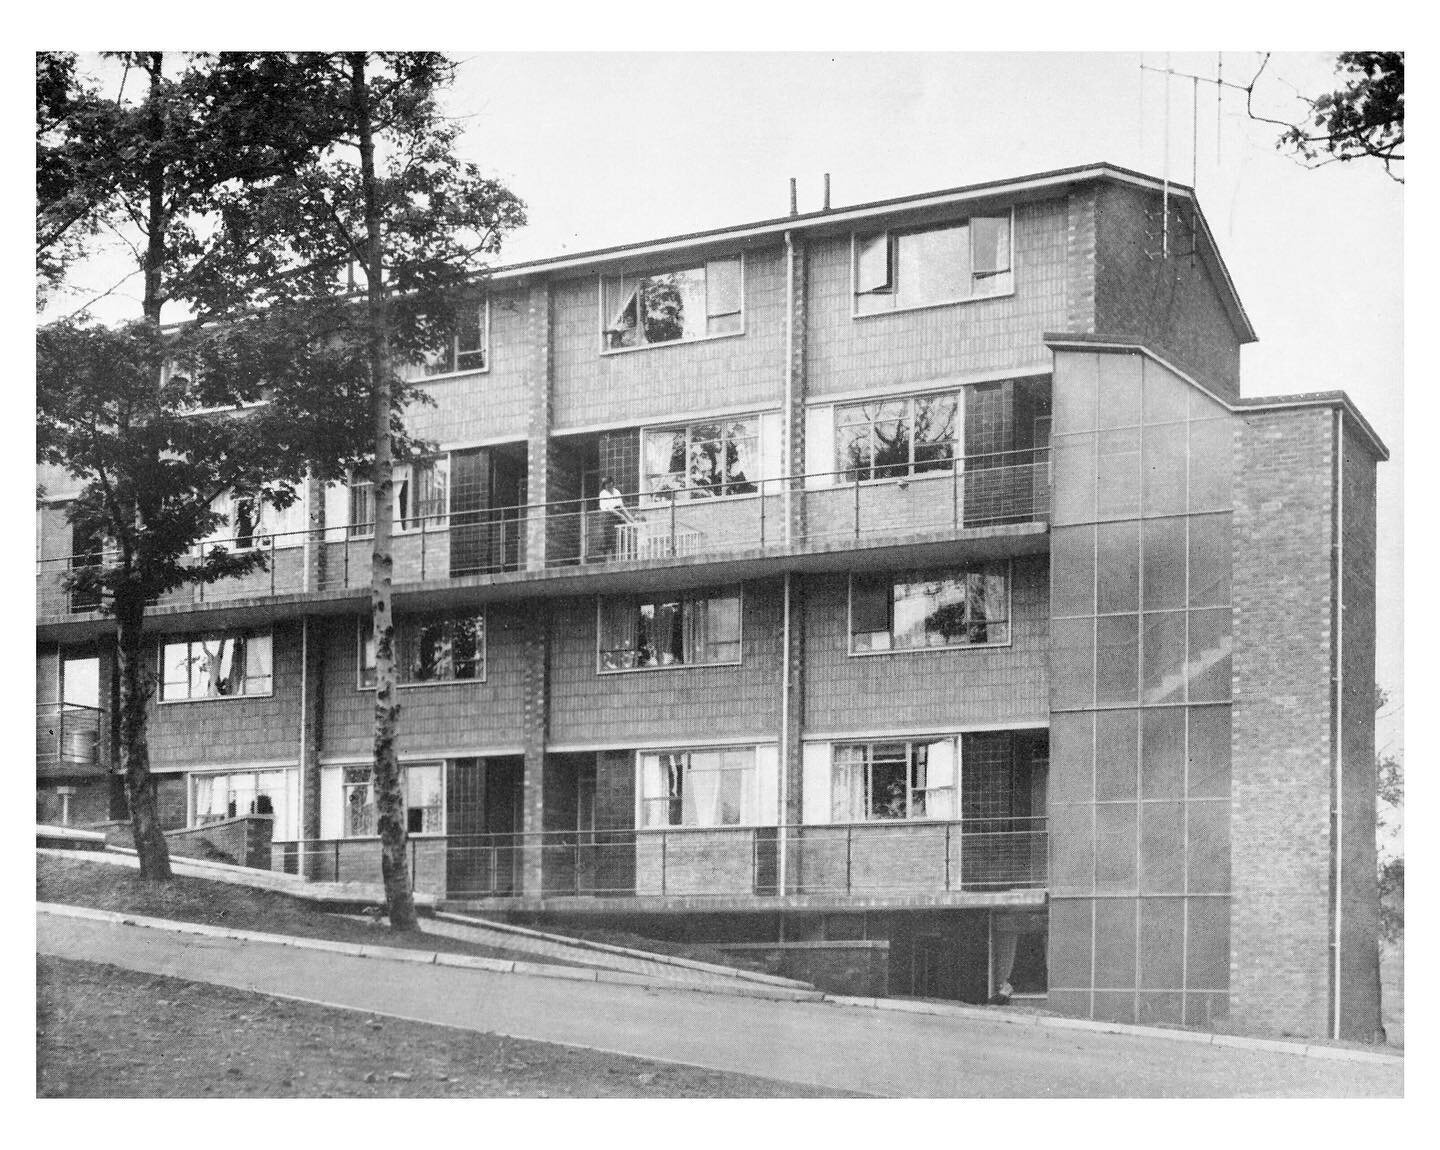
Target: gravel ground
(104, 1032)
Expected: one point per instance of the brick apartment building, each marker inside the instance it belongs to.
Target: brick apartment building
(963, 626)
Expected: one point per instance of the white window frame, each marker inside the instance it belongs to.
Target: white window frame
(192, 638)
(364, 645)
(334, 775)
(291, 791)
(752, 769)
(608, 320)
(957, 453)
(892, 258)
(919, 576)
(637, 602)
(765, 467)
(402, 477)
(869, 746)
(416, 373)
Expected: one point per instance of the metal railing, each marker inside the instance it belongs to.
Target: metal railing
(67, 736)
(815, 510)
(862, 859)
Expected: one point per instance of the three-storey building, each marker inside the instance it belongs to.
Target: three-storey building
(905, 590)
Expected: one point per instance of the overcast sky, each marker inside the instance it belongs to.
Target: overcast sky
(608, 148)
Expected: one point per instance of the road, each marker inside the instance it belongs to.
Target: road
(821, 1044)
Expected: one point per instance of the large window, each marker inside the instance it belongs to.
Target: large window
(467, 349)
(237, 793)
(716, 457)
(886, 438)
(712, 788)
(430, 649)
(926, 609)
(670, 631)
(420, 497)
(424, 789)
(943, 264)
(688, 303)
(900, 780)
(216, 666)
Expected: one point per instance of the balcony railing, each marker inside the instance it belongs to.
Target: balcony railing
(801, 512)
(860, 859)
(67, 737)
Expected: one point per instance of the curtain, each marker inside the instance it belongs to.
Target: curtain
(1005, 942)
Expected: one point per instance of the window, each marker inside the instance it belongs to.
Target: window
(419, 494)
(422, 785)
(670, 632)
(944, 264)
(231, 795)
(871, 782)
(886, 438)
(466, 350)
(714, 788)
(704, 459)
(689, 303)
(920, 610)
(430, 649)
(216, 666)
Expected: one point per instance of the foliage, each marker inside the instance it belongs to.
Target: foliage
(1389, 815)
(1363, 118)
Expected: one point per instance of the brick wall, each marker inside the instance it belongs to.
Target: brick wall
(433, 718)
(1172, 306)
(668, 380)
(847, 354)
(950, 687)
(687, 705)
(1080, 260)
(1280, 976)
(213, 732)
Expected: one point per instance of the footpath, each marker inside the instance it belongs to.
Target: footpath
(835, 1044)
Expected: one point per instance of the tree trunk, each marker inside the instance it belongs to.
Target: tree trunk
(389, 795)
(135, 688)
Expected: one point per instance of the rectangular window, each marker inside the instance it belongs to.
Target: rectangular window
(228, 796)
(216, 666)
(466, 350)
(419, 498)
(947, 263)
(700, 460)
(422, 785)
(874, 782)
(671, 631)
(430, 649)
(712, 788)
(688, 303)
(887, 438)
(921, 610)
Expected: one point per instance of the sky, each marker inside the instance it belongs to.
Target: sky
(608, 148)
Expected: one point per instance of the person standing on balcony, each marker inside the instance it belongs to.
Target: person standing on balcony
(614, 512)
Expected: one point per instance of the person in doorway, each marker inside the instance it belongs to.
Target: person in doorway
(613, 513)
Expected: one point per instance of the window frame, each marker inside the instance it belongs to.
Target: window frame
(363, 643)
(688, 493)
(607, 318)
(869, 748)
(956, 461)
(292, 781)
(192, 637)
(892, 257)
(924, 575)
(342, 769)
(644, 801)
(415, 372)
(637, 602)
(402, 474)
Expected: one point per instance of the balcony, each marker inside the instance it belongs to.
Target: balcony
(772, 519)
(67, 738)
(727, 866)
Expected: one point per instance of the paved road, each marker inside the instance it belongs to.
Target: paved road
(845, 1048)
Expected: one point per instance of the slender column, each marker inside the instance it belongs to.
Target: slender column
(537, 380)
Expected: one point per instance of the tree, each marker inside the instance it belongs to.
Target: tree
(1389, 816)
(386, 195)
(1364, 118)
(138, 437)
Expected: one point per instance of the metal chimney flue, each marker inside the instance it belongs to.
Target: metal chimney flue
(794, 208)
(827, 191)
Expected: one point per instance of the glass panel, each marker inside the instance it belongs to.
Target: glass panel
(722, 287)
(1165, 463)
(1072, 758)
(1162, 756)
(1162, 859)
(1166, 397)
(892, 447)
(1164, 549)
(1115, 864)
(1164, 657)
(707, 459)
(1072, 662)
(889, 768)
(259, 677)
(930, 614)
(1209, 665)
(623, 330)
(872, 263)
(847, 794)
(362, 507)
(1073, 460)
(1115, 754)
(176, 670)
(424, 798)
(1117, 580)
(934, 432)
(673, 305)
(723, 645)
(470, 340)
(1208, 752)
(1117, 470)
(933, 266)
(1210, 560)
(870, 614)
(82, 682)
(665, 460)
(1119, 395)
(1212, 463)
(619, 634)
(990, 244)
(1117, 661)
